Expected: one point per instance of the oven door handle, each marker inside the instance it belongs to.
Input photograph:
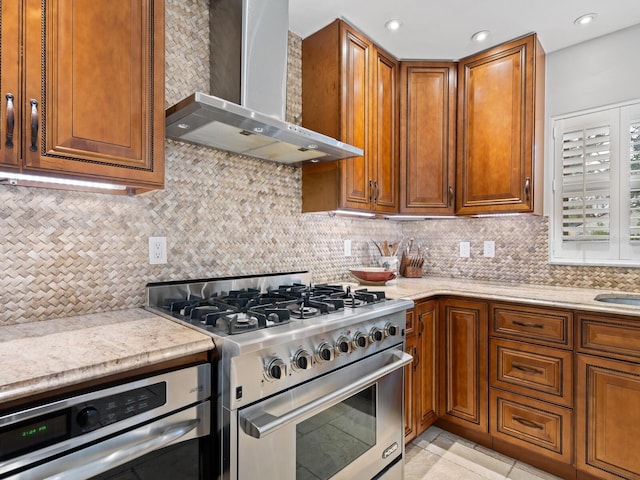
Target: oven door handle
(260, 423)
(103, 456)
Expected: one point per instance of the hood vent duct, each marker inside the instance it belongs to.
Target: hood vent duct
(245, 111)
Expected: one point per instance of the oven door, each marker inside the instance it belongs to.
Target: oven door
(347, 424)
(174, 447)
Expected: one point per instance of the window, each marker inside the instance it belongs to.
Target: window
(595, 218)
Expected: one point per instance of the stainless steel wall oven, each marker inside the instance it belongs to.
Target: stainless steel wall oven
(155, 428)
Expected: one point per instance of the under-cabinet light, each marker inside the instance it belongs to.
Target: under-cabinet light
(357, 214)
(4, 176)
(418, 217)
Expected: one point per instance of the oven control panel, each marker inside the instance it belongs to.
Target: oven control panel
(114, 408)
(283, 366)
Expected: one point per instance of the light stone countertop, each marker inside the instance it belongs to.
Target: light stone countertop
(541, 295)
(41, 356)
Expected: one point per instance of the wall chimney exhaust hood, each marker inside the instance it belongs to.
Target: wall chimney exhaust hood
(245, 111)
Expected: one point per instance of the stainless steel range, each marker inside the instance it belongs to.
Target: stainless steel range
(311, 377)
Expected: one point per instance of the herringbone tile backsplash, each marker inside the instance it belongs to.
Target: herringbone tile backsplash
(65, 253)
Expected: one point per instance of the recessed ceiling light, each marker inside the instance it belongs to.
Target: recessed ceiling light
(480, 36)
(393, 24)
(585, 19)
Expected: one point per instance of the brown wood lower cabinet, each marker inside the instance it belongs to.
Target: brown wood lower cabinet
(540, 427)
(508, 376)
(421, 374)
(608, 412)
(463, 372)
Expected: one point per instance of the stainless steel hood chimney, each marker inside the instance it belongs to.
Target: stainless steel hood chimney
(245, 111)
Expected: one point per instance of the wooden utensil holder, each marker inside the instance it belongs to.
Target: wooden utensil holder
(408, 271)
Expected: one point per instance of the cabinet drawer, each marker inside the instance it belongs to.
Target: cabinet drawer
(531, 424)
(610, 335)
(541, 372)
(537, 324)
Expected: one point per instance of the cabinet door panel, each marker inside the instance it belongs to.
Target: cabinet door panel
(355, 107)
(608, 413)
(102, 109)
(9, 83)
(464, 370)
(426, 399)
(427, 129)
(384, 143)
(410, 381)
(499, 120)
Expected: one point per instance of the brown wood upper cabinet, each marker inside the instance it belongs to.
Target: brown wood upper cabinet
(501, 129)
(427, 137)
(77, 106)
(349, 92)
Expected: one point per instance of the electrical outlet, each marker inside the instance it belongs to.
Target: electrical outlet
(489, 248)
(157, 250)
(347, 248)
(465, 249)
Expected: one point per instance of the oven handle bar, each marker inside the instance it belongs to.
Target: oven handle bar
(103, 456)
(262, 423)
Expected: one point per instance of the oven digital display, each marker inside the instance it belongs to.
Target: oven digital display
(33, 434)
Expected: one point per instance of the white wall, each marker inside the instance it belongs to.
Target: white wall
(598, 72)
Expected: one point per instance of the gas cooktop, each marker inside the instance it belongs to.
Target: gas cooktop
(232, 306)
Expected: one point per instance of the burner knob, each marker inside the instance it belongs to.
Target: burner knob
(391, 329)
(276, 369)
(302, 360)
(325, 352)
(343, 345)
(376, 334)
(360, 340)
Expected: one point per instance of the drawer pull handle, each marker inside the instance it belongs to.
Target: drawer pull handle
(528, 423)
(527, 324)
(34, 125)
(10, 120)
(370, 190)
(523, 368)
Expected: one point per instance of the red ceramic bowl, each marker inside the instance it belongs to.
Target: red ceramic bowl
(377, 275)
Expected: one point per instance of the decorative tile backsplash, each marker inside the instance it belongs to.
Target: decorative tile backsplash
(65, 253)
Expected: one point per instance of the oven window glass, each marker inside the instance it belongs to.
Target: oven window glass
(184, 461)
(335, 437)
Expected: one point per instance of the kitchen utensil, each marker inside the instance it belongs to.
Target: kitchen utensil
(372, 275)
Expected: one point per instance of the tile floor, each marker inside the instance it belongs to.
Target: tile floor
(440, 455)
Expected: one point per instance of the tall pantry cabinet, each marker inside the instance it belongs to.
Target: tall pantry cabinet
(349, 93)
(82, 90)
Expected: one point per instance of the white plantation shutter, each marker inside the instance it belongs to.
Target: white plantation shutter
(596, 195)
(586, 184)
(585, 217)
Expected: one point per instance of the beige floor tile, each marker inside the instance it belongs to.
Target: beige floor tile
(524, 471)
(463, 454)
(429, 466)
(441, 455)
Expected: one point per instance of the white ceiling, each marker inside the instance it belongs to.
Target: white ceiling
(442, 29)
